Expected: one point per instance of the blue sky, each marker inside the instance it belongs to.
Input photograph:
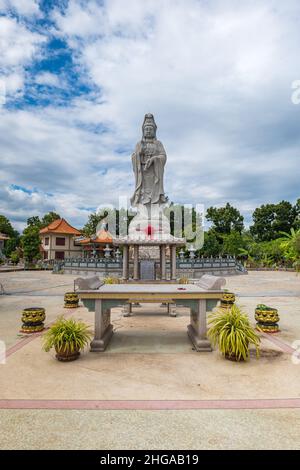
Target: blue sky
(79, 76)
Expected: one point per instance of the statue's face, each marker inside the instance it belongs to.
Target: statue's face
(149, 132)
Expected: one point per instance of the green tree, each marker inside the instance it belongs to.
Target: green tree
(49, 218)
(114, 218)
(14, 237)
(272, 219)
(93, 220)
(232, 243)
(34, 221)
(12, 244)
(30, 241)
(211, 245)
(15, 257)
(296, 244)
(297, 218)
(290, 242)
(225, 219)
(6, 227)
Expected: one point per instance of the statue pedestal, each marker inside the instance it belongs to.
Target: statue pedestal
(149, 222)
(149, 237)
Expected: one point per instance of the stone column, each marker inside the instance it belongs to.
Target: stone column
(173, 262)
(125, 262)
(136, 262)
(197, 328)
(163, 262)
(103, 327)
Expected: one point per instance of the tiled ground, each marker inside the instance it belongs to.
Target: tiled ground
(150, 382)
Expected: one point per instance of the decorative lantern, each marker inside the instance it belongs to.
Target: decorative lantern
(192, 252)
(181, 254)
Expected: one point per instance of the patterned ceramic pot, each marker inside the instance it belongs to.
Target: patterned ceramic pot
(65, 355)
(227, 300)
(267, 319)
(33, 320)
(71, 300)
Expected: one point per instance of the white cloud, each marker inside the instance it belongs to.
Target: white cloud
(216, 75)
(18, 46)
(22, 7)
(47, 78)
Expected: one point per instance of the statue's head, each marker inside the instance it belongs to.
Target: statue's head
(149, 127)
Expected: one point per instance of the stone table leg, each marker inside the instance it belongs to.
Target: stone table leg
(127, 310)
(136, 262)
(173, 262)
(163, 262)
(172, 309)
(103, 327)
(125, 263)
(197, 328)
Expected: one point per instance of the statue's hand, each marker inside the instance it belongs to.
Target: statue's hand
(149, 163)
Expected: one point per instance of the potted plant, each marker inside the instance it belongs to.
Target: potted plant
(232, 332)
(68, 337)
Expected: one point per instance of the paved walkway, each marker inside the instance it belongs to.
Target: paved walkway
(149, 389)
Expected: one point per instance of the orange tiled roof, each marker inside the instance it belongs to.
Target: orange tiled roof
(3, 236)
(60, 226)
(102, 237)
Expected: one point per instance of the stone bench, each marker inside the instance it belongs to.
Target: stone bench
(88, 283)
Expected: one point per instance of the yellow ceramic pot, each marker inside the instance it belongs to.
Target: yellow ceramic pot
(71, 300)
(33, 319)
(267, 319)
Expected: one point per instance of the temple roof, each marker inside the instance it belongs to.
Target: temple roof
(102, 237)
(60, 226)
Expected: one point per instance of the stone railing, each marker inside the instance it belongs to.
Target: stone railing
(190, 267)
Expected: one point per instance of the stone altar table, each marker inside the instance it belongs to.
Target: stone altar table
(195, 297)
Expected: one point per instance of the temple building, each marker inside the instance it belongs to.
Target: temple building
(58, 241)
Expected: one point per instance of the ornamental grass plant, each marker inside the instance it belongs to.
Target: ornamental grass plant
(231, 331)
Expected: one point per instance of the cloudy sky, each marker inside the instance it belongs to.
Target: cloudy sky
(77, 77)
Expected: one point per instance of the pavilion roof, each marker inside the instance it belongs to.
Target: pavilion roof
(102, 237)
(60, 226)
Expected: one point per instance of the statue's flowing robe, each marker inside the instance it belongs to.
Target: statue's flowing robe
(157, 194)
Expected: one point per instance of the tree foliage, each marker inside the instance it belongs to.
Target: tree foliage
(225, 219)
(47, 219)
(116, 220)
(14, 238)
(30, 241)
(269, 220)
(211, 246)
(6, 227)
